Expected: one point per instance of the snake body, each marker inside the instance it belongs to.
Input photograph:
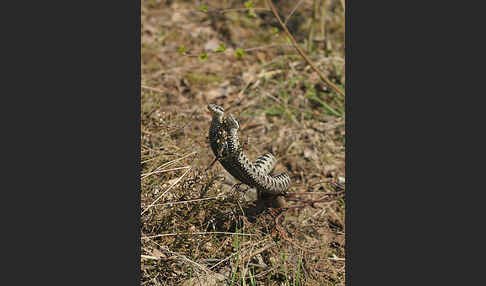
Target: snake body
(265, 183)
(264, 163)
(223, 137)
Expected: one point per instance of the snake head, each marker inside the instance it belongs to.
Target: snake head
(216, 110)
(231, 122)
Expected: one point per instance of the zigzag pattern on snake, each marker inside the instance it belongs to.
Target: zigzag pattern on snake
(264, 163)
(232, 158)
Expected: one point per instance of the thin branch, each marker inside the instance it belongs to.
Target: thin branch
(266, 47)
(241, 9)
(299, 50)
(190, 201)
(221, 11)
(292, 12)
(195, 233)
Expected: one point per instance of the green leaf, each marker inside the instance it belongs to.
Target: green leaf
(203, 56)
(203, 8)
(221, 48)
(239, 53)
(182, 50)
(249, 4)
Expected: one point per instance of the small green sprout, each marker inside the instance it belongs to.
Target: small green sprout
(203, 56)
(182, 50)
(203, 8)
(239, 53)
(221, 48)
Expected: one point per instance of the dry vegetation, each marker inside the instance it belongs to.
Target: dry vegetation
(196, 228)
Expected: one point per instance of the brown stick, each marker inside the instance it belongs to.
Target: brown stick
(296, 46)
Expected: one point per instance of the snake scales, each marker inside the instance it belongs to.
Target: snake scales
(224, 141)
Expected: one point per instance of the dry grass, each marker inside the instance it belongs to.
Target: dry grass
(196, 228)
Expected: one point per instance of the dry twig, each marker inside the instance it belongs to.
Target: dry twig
(299, 50)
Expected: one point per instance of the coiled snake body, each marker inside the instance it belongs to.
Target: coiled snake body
(231, 156)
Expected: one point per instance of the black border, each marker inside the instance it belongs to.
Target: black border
(348, 141)
(138, 105)
(76, 218)
(407, 116)
(80, 207)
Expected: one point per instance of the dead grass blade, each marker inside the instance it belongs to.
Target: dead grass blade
(190, 201)
(148, 160)
(292, 12)
(152, 89)
(196, 233)
(149, 257)
(168, 189)
(299, 50)
(162, 171)
(168, 163)
(184, 258)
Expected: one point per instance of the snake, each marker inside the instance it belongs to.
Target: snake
(225, 144)
(264, 163)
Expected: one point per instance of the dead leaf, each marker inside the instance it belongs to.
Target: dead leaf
(211, 45)
(157, 253)
(310, 154)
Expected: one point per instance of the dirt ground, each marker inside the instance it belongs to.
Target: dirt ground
(198, 228)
